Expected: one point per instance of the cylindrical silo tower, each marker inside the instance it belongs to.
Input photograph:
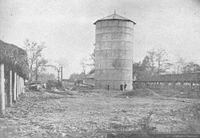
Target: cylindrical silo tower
(113, 52)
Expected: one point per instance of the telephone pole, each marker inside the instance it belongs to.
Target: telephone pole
(58, 76)
(61, 72)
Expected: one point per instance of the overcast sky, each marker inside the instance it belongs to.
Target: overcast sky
(66, 26)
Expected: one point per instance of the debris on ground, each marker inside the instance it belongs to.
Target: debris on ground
(95, 113)
(139, 93)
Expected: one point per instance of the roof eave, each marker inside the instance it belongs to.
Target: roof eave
(115, 19)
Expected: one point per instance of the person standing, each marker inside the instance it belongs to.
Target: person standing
(108, 86)
(121, 87)
(125, 85)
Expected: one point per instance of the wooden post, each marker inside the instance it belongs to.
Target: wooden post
(23, 89)
(173, 85)
(199, 86)
(198, 91)
(10, 90)
(156, 85)
(191, 86)
(166, 85)
(2, 90)
(182, 86)
(15, 87)
(159, 86)
(61, 72)
(146, 85)
(19, 85)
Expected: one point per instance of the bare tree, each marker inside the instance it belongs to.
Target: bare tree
(151, 58)
(162, 61)
(36, 61)
(40, 67)
(91, 60)
(61, 64)
(156, 62)
(178, 66)
(191, 67)
(91, 63)
(83, 64)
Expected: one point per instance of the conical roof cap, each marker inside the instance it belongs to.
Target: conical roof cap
(115, 17)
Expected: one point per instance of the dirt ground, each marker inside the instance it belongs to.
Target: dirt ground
(95, 113)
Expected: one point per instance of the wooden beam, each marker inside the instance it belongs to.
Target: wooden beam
(19, 86)
(2, 90)
(20, 80)
(15, 87)
(10, 90)
(23, 89)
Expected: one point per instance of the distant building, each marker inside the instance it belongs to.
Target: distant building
(76, 76)
(89, 79)
(46, 76)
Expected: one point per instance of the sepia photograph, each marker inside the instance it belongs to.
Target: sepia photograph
(99, 68)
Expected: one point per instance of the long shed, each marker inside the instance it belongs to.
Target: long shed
(13, 72)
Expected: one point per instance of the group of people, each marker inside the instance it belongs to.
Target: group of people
(122, 86)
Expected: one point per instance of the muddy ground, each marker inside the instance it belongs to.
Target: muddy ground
(95, 113)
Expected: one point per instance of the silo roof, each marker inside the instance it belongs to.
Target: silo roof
(115, 17)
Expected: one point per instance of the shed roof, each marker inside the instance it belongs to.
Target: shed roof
(90, 76)
(15, 57)
(115, 17)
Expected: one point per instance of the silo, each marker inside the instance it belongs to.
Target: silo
(113, 52)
